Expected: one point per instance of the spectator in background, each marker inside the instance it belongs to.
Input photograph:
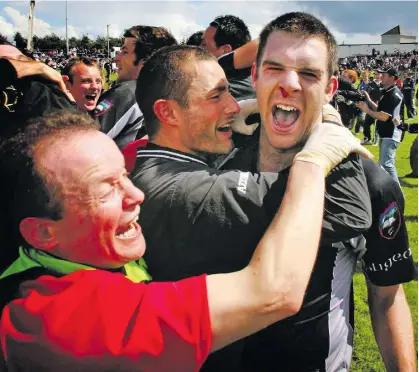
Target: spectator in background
(117, 111)
(387, 109)
(84, 81)
(224, 35)
(408, 94)
(374, 91)
(363, 85)
(347, 108)
(195, 39)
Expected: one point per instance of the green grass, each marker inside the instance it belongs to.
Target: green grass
(366, 356)
(114, 76)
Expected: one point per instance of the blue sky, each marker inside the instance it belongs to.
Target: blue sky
(350, 21)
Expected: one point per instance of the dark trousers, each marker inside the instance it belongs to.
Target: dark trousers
(410, 106)
(367, 127)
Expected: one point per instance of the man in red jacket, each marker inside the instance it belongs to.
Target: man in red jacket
(75, 299)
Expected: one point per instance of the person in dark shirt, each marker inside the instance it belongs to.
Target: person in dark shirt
(224, 35)
(84, 81)
(374, 91)
(387, 109)
(408, 94)
(223, 212)
(117, 112)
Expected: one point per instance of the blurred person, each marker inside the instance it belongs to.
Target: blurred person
(189, 114)
(344, 98)
(76, 297)
(28, 89)
(224, 35)
(374, 91)
(84, 81)
(387, 109)
(408, 94)
(195, 39)
(363, 85)
(117, 112)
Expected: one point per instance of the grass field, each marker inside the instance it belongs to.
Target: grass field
(366, 356)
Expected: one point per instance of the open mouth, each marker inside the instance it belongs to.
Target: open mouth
(127, 232)
(224, 128)
(90, 96)
(285, 116)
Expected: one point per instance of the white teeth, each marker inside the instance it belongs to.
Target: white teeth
(129, 233)
(286, 108)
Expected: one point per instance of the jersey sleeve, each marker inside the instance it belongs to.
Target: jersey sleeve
(96, 320)
(388, 259)
(390, 104)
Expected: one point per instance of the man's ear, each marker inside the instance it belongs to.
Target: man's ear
(39, 233)
(254, 75)
(331, 89)
(167, 111)
(67, 82)
(227, 48)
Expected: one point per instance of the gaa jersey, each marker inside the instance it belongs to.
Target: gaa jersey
(320, 336)
(197, 219)
(390, 103)
(118, 113)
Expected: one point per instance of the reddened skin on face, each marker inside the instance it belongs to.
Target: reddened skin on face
(292, 85)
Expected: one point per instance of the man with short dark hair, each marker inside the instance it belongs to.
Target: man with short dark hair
(224, 35)
(117, 112)
(387, 109)
(84, 81)
(189, 112)
(296, 50)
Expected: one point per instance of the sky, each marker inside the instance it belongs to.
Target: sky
(351, 22)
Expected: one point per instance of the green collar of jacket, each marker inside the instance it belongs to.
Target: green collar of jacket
(30, 257)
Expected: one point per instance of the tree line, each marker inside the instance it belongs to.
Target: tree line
(52, 42)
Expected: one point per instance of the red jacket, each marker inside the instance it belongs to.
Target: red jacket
(93, 320)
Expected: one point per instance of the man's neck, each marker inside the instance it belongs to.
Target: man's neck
(170, 142)
(271, 159)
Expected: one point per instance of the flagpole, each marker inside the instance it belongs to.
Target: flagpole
(66, 26)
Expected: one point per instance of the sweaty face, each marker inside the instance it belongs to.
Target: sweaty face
(291, 87)
(100, 204)
(86, 87)
(209, 44)
(210, 112)
(125, 61)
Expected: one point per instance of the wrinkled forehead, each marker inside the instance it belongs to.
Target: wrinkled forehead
(79, 155)
(9, 51)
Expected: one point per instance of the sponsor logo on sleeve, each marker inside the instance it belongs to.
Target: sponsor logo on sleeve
(242, 186)
(102, 107)
(387, 264)
(390, 221)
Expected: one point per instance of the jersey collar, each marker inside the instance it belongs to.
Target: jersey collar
(154, 151)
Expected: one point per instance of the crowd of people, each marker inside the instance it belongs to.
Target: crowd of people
(206, 213)
(400, 61)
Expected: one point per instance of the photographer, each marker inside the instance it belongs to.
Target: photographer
(346, 98)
